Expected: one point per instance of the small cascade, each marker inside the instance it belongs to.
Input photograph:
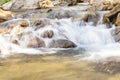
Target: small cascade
(47, 36)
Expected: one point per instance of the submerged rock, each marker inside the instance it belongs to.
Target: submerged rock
(62, 44)
(71, 2)
(35, 43)
(110, 65)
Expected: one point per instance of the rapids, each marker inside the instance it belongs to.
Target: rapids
(96, 41)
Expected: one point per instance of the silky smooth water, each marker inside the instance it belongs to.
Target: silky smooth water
(96, 40)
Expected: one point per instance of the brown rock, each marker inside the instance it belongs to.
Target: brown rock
(48, 34)
(23, 23)
(15, 42)
(45, 3)
(117, 23)
(92, 17)
(112, 15)
(62, 44)
(36, 43)
(4, 15)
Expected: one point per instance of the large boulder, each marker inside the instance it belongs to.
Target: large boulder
(62, 44)
(26, 4)
(4, 15)
(35, 43)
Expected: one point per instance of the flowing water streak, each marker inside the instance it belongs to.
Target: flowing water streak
(96, 40)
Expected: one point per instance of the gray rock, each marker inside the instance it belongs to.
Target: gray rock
(21, 4)
(62, 44)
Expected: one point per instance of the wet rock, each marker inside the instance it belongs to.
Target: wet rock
(48, 34)
(40, 23)
(117, 23)
(4, 15)
(92, 17)
(35, 43)
(17, 25)
(62, 44)
(116, 34)
(59, 14)
(15, 42)
(112, 15)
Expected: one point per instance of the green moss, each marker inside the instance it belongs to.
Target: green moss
(3, 2)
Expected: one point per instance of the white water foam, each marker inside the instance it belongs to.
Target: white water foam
(96, 40)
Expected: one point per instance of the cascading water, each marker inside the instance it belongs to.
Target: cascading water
(96, 40)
